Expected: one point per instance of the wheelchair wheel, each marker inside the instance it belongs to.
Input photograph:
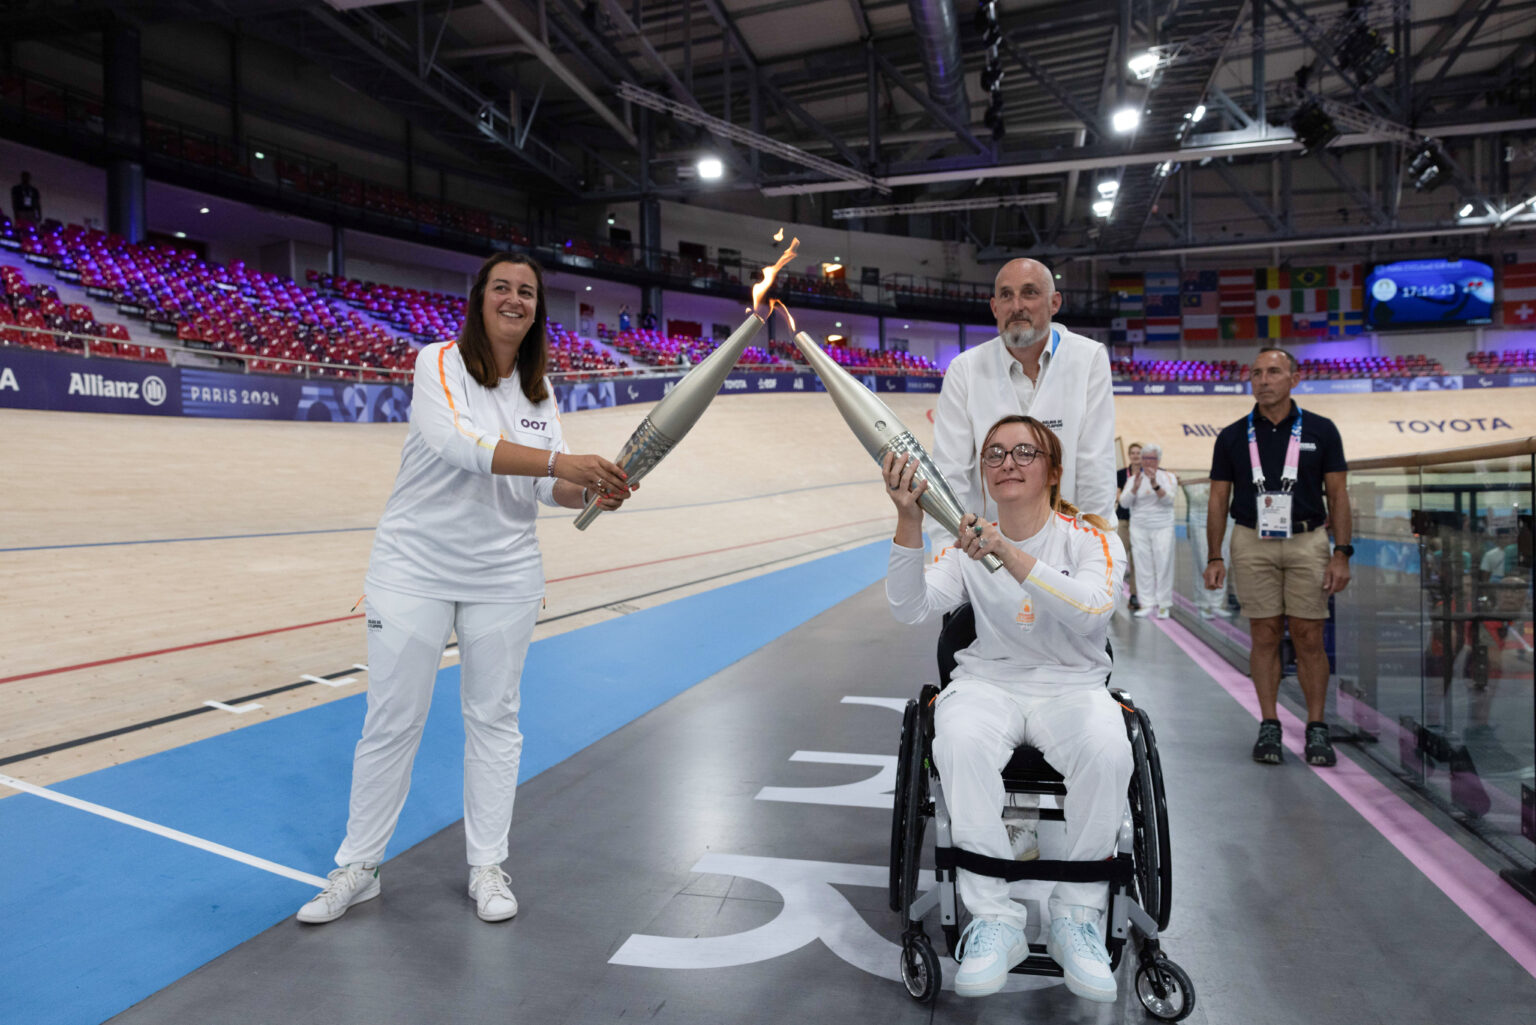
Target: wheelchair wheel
(910, 735)
(1144, 845)
(1165, 990)
(920, 970)
(1164, 842)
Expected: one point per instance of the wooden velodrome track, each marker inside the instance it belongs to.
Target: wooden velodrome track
(150, 565)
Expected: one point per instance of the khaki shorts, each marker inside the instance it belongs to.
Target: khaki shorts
(1280, 578)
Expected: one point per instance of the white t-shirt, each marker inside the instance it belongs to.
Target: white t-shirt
(452, 530)
(1039, 636)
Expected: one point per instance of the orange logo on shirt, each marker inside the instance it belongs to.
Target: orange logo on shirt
(1026, 614)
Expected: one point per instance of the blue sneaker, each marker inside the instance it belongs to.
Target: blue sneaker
(988, 949)
(1079, 949)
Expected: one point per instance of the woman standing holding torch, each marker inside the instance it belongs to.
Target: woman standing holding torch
(456, 552)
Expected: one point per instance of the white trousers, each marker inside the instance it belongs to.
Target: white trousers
(1081, 733)
(1152, 551)
(406, 637)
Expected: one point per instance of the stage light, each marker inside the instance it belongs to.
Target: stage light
(1363, 55)
(1313, 127)
(1104, 207)
(1465, 211)
(1143, 64)
(711, 168)
(1198, 114)
(1125, 120)
(611, 219)
(1107, 189)
(1428, 167)
(203, 210)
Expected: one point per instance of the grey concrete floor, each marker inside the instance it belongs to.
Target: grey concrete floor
(1288, 907)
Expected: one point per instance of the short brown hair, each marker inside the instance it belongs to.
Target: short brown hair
(475, 345)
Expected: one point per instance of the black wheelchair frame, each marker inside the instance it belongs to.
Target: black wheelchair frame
(1140, 875)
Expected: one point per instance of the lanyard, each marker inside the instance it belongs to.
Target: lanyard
(1292, 456)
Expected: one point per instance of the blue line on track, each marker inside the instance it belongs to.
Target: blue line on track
(99, 915)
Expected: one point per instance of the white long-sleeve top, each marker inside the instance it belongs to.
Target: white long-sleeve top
(452, 530)
(1148, 508)
(1039, 636)
(1073, 397)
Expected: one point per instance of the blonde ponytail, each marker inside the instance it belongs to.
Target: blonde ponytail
(1071, 512)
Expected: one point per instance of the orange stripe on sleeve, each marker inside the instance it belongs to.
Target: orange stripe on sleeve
(442, 379)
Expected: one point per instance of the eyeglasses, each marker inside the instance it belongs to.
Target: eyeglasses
(1022, 454)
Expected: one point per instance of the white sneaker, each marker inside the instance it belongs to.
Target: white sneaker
(348, 885)
(987, 951)
(1079, 949)
(490, 887)
(1023, 837)
(1143, 612)
(1165, 612)
(1207, 614)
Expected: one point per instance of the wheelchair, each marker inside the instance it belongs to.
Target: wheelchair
(1140, 875)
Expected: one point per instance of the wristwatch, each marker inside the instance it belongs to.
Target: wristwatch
(1348, 551)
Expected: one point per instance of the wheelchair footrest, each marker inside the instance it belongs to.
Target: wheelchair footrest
(1037, 963)
(1111, 870)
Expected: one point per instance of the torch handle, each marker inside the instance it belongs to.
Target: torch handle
(588, 514)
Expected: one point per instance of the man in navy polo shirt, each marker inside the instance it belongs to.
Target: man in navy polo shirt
(1272, 469)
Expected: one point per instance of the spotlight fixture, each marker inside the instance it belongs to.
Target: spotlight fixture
(1429, 167)
(612, 220)
(1109, 188)
(259, 155)
(203, 210)
(181, 234)
(1313, 127)
(1465, 211)
(1125, 120)
(711, 168)
(992, 71)
(1103, 207)
(1363, 55)
(1143, 64)
(1198, 114)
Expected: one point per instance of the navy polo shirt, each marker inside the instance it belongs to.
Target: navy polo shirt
(1322, 452)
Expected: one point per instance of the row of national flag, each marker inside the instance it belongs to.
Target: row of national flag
(1239, 303)
(1322, 301)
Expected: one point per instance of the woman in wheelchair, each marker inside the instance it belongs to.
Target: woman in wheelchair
(1034, 675)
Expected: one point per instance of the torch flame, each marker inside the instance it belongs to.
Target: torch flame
(779, 235)
(787, 315)
(769, 273)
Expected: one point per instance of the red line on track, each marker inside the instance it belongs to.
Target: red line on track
(343, 619)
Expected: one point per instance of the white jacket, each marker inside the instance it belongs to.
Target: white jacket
(452, 530)
(1073, 397)
(1037, 637)
(1148, 508)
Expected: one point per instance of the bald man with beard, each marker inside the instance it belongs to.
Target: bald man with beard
(1037, 368)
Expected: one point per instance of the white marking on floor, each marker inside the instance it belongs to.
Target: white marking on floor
(159, 830)
(897, 705)
(249, 706)
(359, 665)
(329, 683)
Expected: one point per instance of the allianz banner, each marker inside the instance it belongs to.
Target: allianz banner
(41, 380)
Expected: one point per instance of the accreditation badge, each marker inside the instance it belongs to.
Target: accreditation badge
(1274, 515)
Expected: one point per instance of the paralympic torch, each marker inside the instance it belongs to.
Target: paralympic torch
(678, 410)
(880, 431)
